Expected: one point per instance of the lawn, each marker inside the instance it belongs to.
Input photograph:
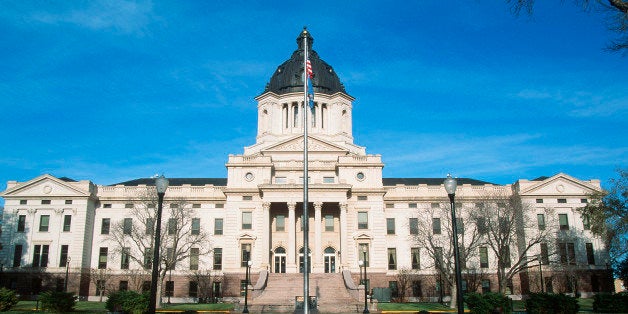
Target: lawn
(586, 305)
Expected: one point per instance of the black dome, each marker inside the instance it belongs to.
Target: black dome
(288, 77)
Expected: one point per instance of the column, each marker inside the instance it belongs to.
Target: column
(317, 251)
(343, 234)
(291, 266)
(265, 258)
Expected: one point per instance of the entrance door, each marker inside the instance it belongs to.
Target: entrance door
(280, 260)
(330, 260)
(309, 261)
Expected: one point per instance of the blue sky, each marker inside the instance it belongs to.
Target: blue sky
(116, 90)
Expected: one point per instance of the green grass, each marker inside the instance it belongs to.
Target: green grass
(414, 307)
(84, 307)
(199, 306)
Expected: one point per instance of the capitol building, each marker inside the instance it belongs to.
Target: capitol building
(216, 228)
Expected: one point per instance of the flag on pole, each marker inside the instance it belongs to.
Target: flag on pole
(310, 91)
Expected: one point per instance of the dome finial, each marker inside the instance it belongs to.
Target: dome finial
(305, 34)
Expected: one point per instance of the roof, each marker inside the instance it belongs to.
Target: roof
(223, 181)
(430, 181)
(177, 182)
(288, 77)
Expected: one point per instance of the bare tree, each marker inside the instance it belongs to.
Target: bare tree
(205, 280)
(99, 278)
(617, 16)
(512, 234)
(435, 236)
(181, 232)
(404, 279)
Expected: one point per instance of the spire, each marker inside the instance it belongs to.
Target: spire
(310, 40)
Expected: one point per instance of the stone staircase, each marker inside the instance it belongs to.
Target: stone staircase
(281, 290)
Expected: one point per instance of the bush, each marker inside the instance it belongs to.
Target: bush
(57, 302)
(488, 303)
(127, 301)
(548, 303)
(611, 303)
(8, 299)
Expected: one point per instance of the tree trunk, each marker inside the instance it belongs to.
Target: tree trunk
(454, 297)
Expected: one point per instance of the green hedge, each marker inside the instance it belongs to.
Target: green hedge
(488, 303)
(58, 302)
(8, 299)
(127, 301)
(611, 303)
(548, 303)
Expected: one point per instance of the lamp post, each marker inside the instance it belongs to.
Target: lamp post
(450, 186)
(171, 283)
(161, 183)
(366, 309)
(246, 286)
(541, 273)
(67, 267)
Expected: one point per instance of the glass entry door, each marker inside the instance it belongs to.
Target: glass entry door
(330, 260)
(280, 260)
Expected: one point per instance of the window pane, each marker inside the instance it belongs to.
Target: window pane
(329, 223)
(218, 226)
(363, 221)
(364, 253)
(540, 219)
(247, 220)
(196, 226)
(390, 225)
(125, 258)
(483, 257)
(67, 221)
(414, 226)
(63, 259)
(436, 225)
(44, 221)
(392, 258)
(562, 220)
(217, 258)
(280, 223)
(415, 256)
(150, 226)
(172, 226)
(102, 258)
(127, 226)
(21, 223)
(194, 254)
(104, 226)
(245, 255)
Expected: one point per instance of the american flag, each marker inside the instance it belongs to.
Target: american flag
(310, 90)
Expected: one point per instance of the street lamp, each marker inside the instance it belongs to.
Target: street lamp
(366, 309)
(246, 286)
(161, 183)
(450, 186)
(170, 283)
(67, 267)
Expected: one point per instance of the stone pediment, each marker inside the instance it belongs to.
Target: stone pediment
(313, 145)
(561, 184)
(45, 186)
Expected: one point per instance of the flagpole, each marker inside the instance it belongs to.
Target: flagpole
(306, 227)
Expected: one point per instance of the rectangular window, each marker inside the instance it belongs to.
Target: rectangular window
(102, 258)
(329, 179)
(482, 226)
(390, 205)
(172, 226)
(415, 257)
(247, 198)
(104, 226)
(483, 257)
(194, 254)
(68, 202)
(107, 205)
(362, 197)
(125, 258)
(123, 285)
(127, 226)
(40, 256)
(414, 226)
(148, 258)
(196, 205)
(174, 205)
(562, 220)
(23, 202)
(17, 256)
(567, 253)
(63, 256)
(562, 200)
(390, 225)
(506, 257)
(245, 254)
(280, 223)
(363, 220)
(329, 223)
(150, 226)
(590, 254)
(45, 202)
(128, 205)
(100, 287)
(281, 180)
(218, 226)
(196, 226)
(436, 225)
(434, 205)
(438, 257)
(247, 220)
(540, 221)
(170, 258)
(193, 289)
(217, 258)
(145, 286)
(44, 223)
(364, 253)
(584, 200)
(544, 254)
(220, 205)
(412, 205)
(392, 258)
(169, 288)
(67, 222)
(21, 223)
(460, 225)
(486, 286)
(539, 201)
(586, 222)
